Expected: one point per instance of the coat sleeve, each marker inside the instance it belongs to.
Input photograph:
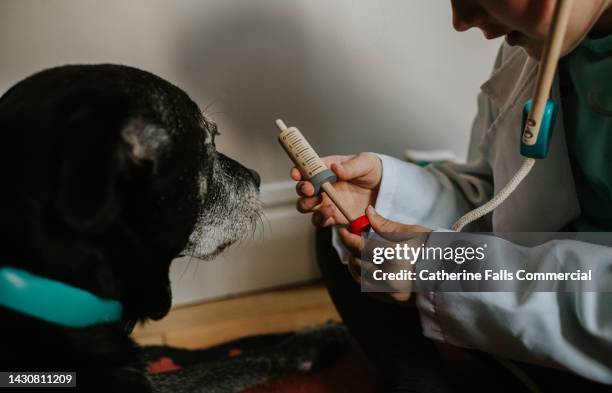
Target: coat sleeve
(569, 329)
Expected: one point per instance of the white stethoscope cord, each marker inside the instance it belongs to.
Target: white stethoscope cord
(498, 199)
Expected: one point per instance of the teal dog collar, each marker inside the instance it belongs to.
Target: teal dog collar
(54, 301)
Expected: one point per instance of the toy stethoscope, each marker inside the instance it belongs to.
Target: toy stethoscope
(539, 115)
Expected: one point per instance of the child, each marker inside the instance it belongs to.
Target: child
(570, 190)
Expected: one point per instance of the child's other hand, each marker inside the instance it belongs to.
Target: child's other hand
(358, 182)
(394, 232)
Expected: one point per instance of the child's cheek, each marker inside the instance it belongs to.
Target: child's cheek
(530, 17)
(539, 17)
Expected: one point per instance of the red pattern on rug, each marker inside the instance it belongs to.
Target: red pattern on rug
(349, 374)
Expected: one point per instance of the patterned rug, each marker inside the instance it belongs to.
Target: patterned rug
(320, 359)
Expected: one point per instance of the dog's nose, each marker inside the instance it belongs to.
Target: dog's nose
(256, 177)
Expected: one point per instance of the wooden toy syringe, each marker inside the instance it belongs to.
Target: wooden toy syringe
(312, 168)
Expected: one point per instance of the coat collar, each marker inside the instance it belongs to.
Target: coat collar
(514, 72)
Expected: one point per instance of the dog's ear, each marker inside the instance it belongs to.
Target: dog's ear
(90, 161)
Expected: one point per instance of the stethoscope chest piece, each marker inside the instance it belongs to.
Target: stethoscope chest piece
(539, 149)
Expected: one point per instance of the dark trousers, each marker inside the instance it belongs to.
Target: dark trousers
(391, 337)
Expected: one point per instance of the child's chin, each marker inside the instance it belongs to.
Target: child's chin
(533, 49)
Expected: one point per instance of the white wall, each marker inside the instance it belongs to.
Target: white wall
(378, 75)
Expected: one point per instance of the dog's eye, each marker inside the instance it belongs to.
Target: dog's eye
(213, 133)
(210, 131)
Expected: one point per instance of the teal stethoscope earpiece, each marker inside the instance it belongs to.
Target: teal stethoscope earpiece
(539, 150)
(54, 301)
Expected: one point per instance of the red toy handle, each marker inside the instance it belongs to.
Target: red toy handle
(361, 224)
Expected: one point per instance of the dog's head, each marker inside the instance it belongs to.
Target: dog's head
(109, 173)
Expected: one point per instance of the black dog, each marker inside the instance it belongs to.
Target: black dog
(108, 173)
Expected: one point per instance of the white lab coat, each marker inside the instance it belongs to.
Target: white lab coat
(570, 330)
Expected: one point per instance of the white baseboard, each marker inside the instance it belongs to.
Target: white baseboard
(280, 253)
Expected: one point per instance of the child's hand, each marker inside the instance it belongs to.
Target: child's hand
(392, 231)
(358, 182)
